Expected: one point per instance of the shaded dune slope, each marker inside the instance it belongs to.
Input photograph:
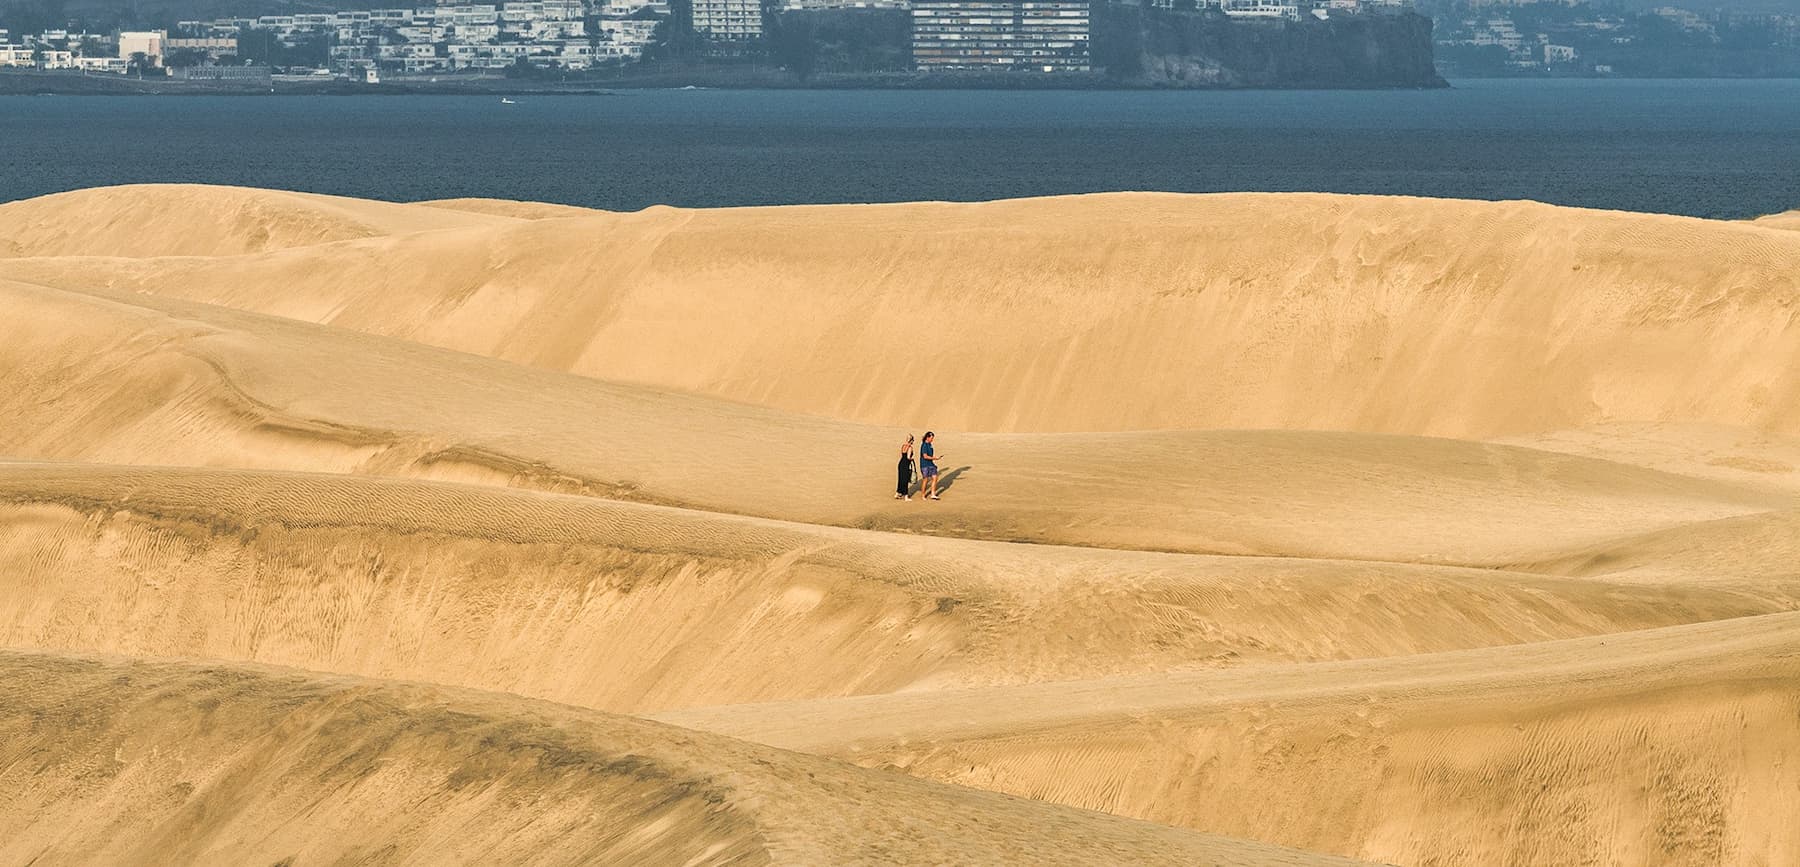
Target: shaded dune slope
(1110, 312)
(1671, 746)
(130, 379)
(1744, 457)
(630, 608)
(1753, 551)
(107, 761)
(188, 220)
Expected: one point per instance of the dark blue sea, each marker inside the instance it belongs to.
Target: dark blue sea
(1706, 148)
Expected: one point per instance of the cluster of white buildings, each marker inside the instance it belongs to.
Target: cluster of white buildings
(1522, 50)
(566, 33)
(99, 52)
(1293, 10)
(63, 49)
(1035, 35)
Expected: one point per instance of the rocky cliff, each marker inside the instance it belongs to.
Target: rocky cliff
(1158, 47)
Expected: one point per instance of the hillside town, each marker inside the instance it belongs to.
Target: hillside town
(538, 36)
(1573, 37)
(565, 34)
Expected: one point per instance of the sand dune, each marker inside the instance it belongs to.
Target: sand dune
(1668, 746)
(509, 208)
(1113, 312)
(1745, 458)
(1757, 551)
(1784, 220)
(155, 381)
(186, 220)
(632, 608)
(110, 761)
(1425, 532)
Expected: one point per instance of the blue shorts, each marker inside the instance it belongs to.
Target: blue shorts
(928, 470)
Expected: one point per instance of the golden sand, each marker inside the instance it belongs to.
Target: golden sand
(1279, 528)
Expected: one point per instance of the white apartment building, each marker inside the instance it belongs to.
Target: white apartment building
(624, 40)
(101, 64)
(623, 8)
(997, 35)
(1497, 31)
(475, 32)
(1261, 9)
(806, 5)
(16, 55)
(728, 20)
(459, 15)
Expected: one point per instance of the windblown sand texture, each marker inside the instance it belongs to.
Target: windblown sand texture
(1281, 529)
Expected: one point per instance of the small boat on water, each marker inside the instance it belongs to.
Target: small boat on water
(506, 101)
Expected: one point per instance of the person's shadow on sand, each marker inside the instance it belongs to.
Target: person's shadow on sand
(945, 480)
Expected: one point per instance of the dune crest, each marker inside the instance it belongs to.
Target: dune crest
(1783, 220)
(147, 220)
(1089, 313)
(206, 386)
(509, 208)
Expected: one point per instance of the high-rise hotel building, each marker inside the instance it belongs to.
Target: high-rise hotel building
(1000, 35)
(728, 20)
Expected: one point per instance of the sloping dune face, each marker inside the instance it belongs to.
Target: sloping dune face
(115, 762)
(474, 532)
(1122, 312)
(1486, 755)
(181, 220)
(506, 208)
(1783, 220)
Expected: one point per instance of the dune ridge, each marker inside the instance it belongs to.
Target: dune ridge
(1088, 313)
(633, 608)
(1483, 752)
(1423, 532)
(207, 386)
(382, 772)
(509, 208)
(1783, 220)
(152, 220)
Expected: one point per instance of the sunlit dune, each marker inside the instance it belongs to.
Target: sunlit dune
(1784, 220)
(507, 208)
(112, 761)
(148, 380)
(1662, 745)
(187, 220)
(1111, 312)
(1275, 529)
(632, 608)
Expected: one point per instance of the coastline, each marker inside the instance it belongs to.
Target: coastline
(40, 83)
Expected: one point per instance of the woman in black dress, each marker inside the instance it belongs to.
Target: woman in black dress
(903, 490)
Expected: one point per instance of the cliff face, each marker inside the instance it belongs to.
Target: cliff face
(1163, 48)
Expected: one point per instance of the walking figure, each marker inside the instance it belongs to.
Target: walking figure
(903, 489)
(928, 469)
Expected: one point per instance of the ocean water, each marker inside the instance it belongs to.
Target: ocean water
(1707, 148)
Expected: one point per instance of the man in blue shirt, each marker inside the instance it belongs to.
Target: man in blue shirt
(928, 466)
